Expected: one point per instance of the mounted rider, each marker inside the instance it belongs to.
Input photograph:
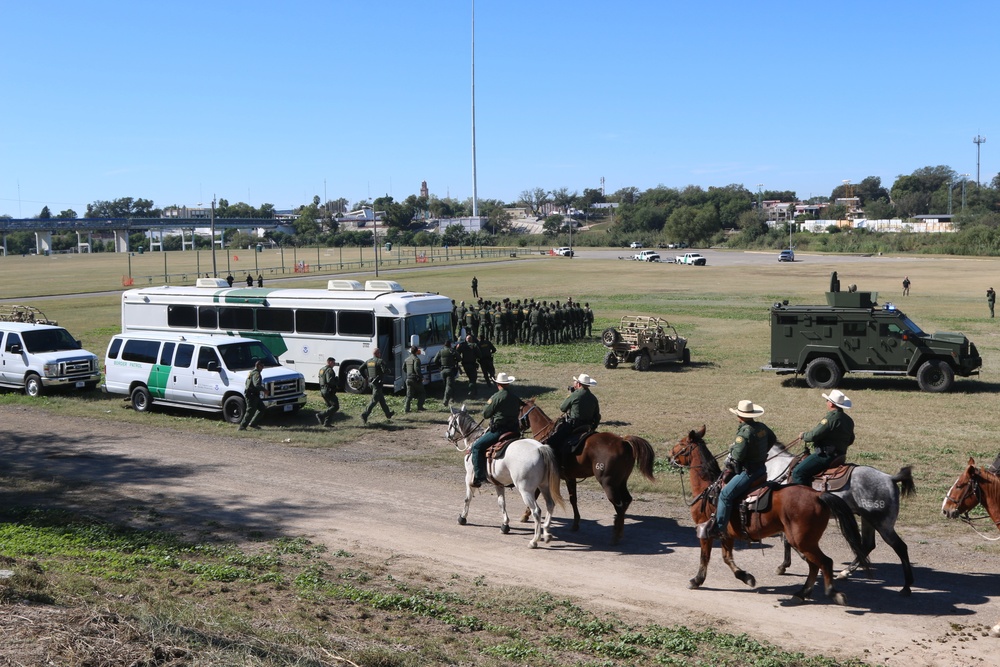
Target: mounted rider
(829, 439)
(580, 409)
(747, 457)
(503, 410)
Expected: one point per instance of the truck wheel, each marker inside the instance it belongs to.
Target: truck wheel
(686, 357)
(823, 373)
(233, 409)
(610, 336)
(611, 360)
(642, 362)
(935, 376)
(33, 386)
(141, 400)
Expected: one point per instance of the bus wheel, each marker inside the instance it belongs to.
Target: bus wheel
(354, 381)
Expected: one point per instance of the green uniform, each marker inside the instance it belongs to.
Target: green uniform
(749, 454)
(328, 382)
(582, 408)
(830, 439)
(414, 372)
(469, 353)
(375, 369)
(449, 365)
(252, 393)
(991, 299)
(503, 410)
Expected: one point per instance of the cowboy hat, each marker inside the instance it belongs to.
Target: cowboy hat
(503, 378)
(838, 398)
(747, 409)
(585, 379)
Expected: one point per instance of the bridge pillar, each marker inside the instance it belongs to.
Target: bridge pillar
(43, 242)
(186, 244)
(84, 246)
(155, 244)
(121, 240)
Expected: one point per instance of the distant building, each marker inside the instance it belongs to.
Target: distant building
(424, 192)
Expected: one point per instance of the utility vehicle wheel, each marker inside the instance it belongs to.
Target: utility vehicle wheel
(642, 362)
(823, 373)
(935, 376)
(141, 400)
(686, 357)
(233, 409)
(611, 360)
(33, 386)
(610, 336)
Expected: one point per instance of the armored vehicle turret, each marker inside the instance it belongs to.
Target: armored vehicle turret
(852, 333)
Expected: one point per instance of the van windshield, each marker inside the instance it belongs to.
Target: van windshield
(48, 340)
(240, 356)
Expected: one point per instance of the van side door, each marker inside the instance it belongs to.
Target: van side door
(180, 385)
(209, 378)
(14, 364)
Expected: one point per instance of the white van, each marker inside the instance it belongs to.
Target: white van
(198, 372)
(36, 357)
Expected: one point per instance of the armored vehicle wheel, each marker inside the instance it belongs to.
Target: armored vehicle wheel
(642, 362)
(823, 373)
(233, 409)
(686, 357)
(610, 336)
(935, 376)
(611, 359)
(141, 400)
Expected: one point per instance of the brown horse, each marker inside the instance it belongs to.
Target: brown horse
(797, 511)
(605, 456)
(975, 486)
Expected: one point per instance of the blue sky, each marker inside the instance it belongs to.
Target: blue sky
(277, 102)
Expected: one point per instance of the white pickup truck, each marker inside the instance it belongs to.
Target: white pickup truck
(691, 259)
(647, 256)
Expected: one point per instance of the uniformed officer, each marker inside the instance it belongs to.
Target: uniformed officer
(414, 372)
(829, 439)
(991, 299)
(328, 385)
(375, 369)
(486, 351)
(502, 409)
(747, 458)
(468, 352)
(252, 393)
(449, 368)
(580, 408)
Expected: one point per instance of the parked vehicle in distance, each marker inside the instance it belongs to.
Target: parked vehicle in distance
(37, 357)
(635, 244)
(647, 256)
(853, 334)
(643, 341)
(691, 259)
(206, 373)
(564, 251)
(787, 255)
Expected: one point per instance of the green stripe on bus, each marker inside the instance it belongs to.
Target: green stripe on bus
(252, 295)
(157, 381)
(272, 341)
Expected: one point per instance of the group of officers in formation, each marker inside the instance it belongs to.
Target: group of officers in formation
(524, 322)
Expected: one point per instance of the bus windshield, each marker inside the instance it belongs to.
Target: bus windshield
(240, 356)
(433, 328)
(49, 340)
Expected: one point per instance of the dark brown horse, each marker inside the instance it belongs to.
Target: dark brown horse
(606, 457)
(797, 511)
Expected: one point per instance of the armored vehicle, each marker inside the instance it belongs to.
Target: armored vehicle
(643, 341)
(853, 334)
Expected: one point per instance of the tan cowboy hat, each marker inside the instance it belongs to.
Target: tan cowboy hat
(585, 379)
(838, 398)
(747, 409)
(503, 378)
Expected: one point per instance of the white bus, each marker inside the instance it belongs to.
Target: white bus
(302, 327)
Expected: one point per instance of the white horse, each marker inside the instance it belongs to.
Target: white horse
(527, 464)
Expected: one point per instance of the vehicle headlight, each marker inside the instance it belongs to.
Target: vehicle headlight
(51, 369)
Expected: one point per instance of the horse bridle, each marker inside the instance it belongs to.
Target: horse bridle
(972, 487)
(525, 424)
(461, 434)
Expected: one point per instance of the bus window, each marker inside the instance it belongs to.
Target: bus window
(208, 318)
(236, 318)
(182, 316)
(357, 323)
(433, 329)
(316, 321)
(275, 319)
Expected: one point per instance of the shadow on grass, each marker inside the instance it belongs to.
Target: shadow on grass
(899, 383)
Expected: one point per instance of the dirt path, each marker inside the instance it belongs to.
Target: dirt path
(365, 497)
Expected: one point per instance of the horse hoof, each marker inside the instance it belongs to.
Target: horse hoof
(843, 574)
(461, 520)
(906, 593)
(781, 570)
(533, 544)
(750, 581)
(505, 529)
(693, 584)
(840, 598)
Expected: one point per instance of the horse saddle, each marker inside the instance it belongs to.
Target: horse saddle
(577, 438)
(835, 477)
(496, 451)
(759, 498)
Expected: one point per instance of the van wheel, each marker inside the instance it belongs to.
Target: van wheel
(33, 386)
(233, 409)
(141, 400)
(935, 376)
(823, 373)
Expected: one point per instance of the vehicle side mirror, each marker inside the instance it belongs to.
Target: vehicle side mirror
(212, 367)
(15, 349)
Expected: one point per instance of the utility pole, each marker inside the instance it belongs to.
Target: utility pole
(978, 140)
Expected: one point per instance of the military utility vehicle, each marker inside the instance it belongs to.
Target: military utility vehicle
(853, 334)
(643, 341)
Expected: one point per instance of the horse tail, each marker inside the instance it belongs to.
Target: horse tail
(644, 455)
(552, 474)
(905, 479)
(848, 526)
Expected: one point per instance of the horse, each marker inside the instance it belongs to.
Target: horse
(605, 456)
(871, 494)
(527, 464)
(975, 486)
(801, 513)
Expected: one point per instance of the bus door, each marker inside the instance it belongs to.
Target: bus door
(392, 350)
(399, 353)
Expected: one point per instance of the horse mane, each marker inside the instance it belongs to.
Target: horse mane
(709, 465)
(989, 482)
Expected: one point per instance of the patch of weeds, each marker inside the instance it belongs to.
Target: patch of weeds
(516, 650)
(869, 456)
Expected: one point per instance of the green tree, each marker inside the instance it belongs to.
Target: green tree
(552, 225)
(394, 214)
(534, 199)
(45, 214)
(68, 214)
(125, 207)
(454, 235)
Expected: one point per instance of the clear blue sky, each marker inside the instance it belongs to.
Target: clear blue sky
(278, 101)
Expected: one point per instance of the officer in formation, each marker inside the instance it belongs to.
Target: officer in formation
(468, 353)
(414, 373)
(829, 439)
(449, 369)
(374, 370)
(502, 409)
(524, 321)
(328, 382)
(252, 394)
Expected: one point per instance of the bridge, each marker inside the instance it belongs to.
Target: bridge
(122, 227)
